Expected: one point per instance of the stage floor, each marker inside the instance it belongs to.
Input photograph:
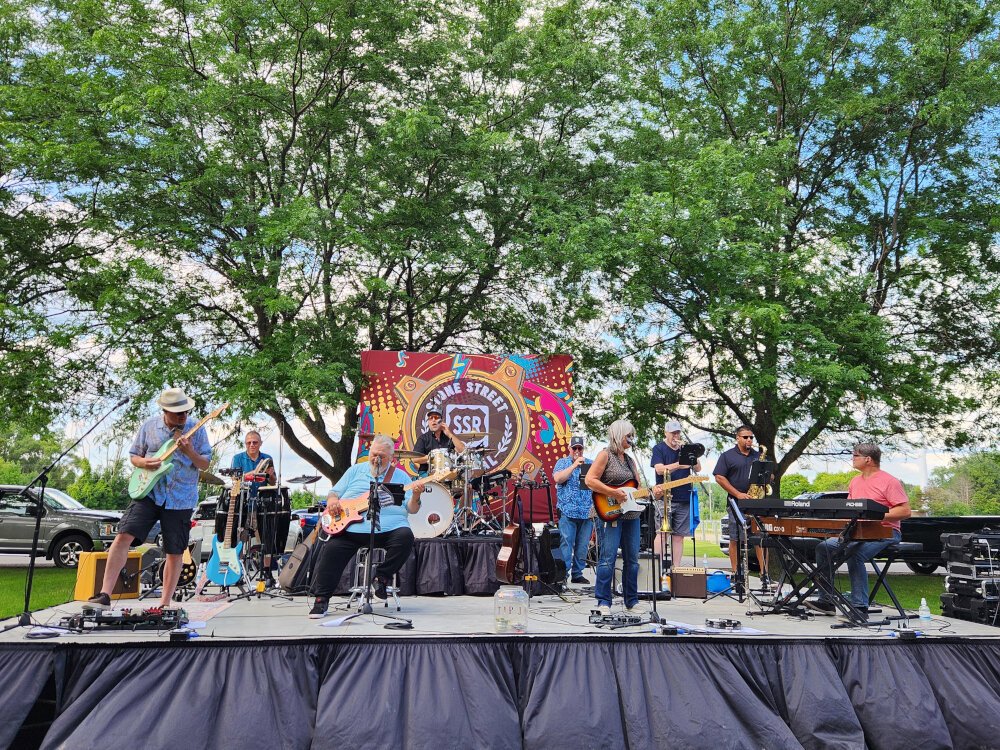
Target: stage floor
(471, 616)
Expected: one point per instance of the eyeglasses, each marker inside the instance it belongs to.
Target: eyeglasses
(576, 448)
(253, 442)
(858, 455)
(744, 437)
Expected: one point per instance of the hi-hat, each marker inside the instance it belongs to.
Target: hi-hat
(304, 479)
(207, 477)
(472, 434)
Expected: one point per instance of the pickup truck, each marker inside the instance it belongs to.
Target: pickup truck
(926, 530)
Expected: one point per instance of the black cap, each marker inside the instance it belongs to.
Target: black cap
(575, 441)
(435, 410)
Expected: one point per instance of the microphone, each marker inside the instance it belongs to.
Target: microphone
(122, 403)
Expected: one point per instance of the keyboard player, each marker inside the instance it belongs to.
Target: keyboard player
(883, 488)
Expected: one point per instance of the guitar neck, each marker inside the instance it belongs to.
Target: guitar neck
(201, 423)
(639, 494)
(233, 494)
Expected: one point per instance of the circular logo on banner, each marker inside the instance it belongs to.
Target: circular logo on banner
(483, 409)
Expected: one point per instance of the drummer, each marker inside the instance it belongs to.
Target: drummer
(438, 436)
(250, 459)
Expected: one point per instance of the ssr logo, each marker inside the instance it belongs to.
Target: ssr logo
(467, 418)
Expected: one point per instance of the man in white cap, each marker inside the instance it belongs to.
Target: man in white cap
(667, 467)
(172, 498)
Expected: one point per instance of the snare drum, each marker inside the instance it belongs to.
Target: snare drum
(437, 509)
(439, 460)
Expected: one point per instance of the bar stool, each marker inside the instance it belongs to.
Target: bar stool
(358, 589)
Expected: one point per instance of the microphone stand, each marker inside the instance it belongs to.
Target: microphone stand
(24, 619)
(374, 509)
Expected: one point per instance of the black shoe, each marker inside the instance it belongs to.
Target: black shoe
(101, 601)
(319, 608)
(380, 584)
(818, 605)
(579, 579)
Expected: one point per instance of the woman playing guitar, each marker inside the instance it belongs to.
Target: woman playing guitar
(614, 474)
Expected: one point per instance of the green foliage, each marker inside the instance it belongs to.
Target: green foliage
(25, 452)
(10, 473)
(303, 499)
(805, 182)
(105, 488)
(831, 482)
(969, 485)
(794, 484)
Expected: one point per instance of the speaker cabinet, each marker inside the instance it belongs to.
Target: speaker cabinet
(90, 576)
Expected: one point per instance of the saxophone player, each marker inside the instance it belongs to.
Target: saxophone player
(732, 473)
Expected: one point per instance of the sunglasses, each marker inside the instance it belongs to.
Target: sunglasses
(253, 442)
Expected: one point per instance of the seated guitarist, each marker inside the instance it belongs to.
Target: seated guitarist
(611, 470)
(394, 534)
(172, 498)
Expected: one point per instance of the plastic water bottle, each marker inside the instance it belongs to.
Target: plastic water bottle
(924, 611)
(704, 561)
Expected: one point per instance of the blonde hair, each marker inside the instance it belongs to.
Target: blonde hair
(617, 433)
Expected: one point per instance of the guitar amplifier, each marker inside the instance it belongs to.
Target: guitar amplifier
(90, 576)
(689, 583)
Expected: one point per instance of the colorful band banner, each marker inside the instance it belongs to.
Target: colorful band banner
(523, 403)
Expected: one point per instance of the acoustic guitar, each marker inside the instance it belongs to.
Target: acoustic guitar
(142, 481)
(356, 508)
(611, 509)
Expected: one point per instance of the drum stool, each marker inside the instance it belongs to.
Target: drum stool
(358, 589)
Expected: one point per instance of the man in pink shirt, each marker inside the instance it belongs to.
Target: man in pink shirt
(877, 485)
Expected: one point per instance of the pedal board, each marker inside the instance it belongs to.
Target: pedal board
(613, 621)
(154, 618)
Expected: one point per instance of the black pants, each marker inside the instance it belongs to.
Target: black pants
(335, 553)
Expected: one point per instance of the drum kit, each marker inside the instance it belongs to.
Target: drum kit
(467, 504)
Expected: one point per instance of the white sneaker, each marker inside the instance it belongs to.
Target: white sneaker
(604, 611)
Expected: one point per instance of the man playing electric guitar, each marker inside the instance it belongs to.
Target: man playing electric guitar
(393, 534)
(170, 501)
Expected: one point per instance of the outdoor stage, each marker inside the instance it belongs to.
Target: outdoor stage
(263, 675)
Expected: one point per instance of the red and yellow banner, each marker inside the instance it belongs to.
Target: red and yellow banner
(523, 404)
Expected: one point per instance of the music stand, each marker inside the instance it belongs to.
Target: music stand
(374, 511)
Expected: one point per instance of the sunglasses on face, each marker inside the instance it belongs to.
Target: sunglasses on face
(253, 442)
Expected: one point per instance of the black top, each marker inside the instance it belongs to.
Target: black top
(427, 443)
(735, 467)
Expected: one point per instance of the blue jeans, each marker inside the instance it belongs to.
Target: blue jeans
(859, 553)
(626, 535)
(574, 534)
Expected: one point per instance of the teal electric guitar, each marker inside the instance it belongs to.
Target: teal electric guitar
(224, 567)
(142, 481)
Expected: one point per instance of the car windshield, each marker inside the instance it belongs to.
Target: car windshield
(60, 499)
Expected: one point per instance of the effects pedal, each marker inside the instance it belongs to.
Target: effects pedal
(722, 623)
(613, 621)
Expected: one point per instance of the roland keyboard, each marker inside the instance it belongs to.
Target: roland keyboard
(829, 507)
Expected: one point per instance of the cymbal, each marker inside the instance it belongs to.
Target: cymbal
(471, 434)
(207, 477)
(480, 449)
(412, 455)
(304, 479)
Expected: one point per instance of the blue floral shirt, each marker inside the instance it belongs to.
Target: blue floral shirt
(178, 490)
(573, 502)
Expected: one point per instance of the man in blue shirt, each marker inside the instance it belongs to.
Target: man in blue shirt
(668, 468)
(575, 505)
(172, 498)
(393, 534)
(249, 459)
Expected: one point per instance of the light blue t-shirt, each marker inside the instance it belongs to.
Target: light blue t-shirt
(357, 481)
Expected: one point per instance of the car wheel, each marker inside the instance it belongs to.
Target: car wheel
(67, 552)
(923, 568)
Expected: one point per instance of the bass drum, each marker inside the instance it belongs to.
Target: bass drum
(437, 510)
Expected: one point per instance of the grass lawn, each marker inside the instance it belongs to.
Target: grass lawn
(909, 589)
(51, 586)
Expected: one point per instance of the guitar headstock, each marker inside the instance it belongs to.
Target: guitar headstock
(218, 411)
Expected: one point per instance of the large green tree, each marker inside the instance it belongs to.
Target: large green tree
(808, 222)
(286, 183)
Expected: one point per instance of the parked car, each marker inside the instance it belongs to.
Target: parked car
(926, 530)
(67, 526)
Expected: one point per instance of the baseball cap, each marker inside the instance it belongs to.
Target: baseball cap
(576, 441)
(672, 426)
(434, 410)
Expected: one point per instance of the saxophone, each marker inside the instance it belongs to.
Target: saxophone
(759, 491)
